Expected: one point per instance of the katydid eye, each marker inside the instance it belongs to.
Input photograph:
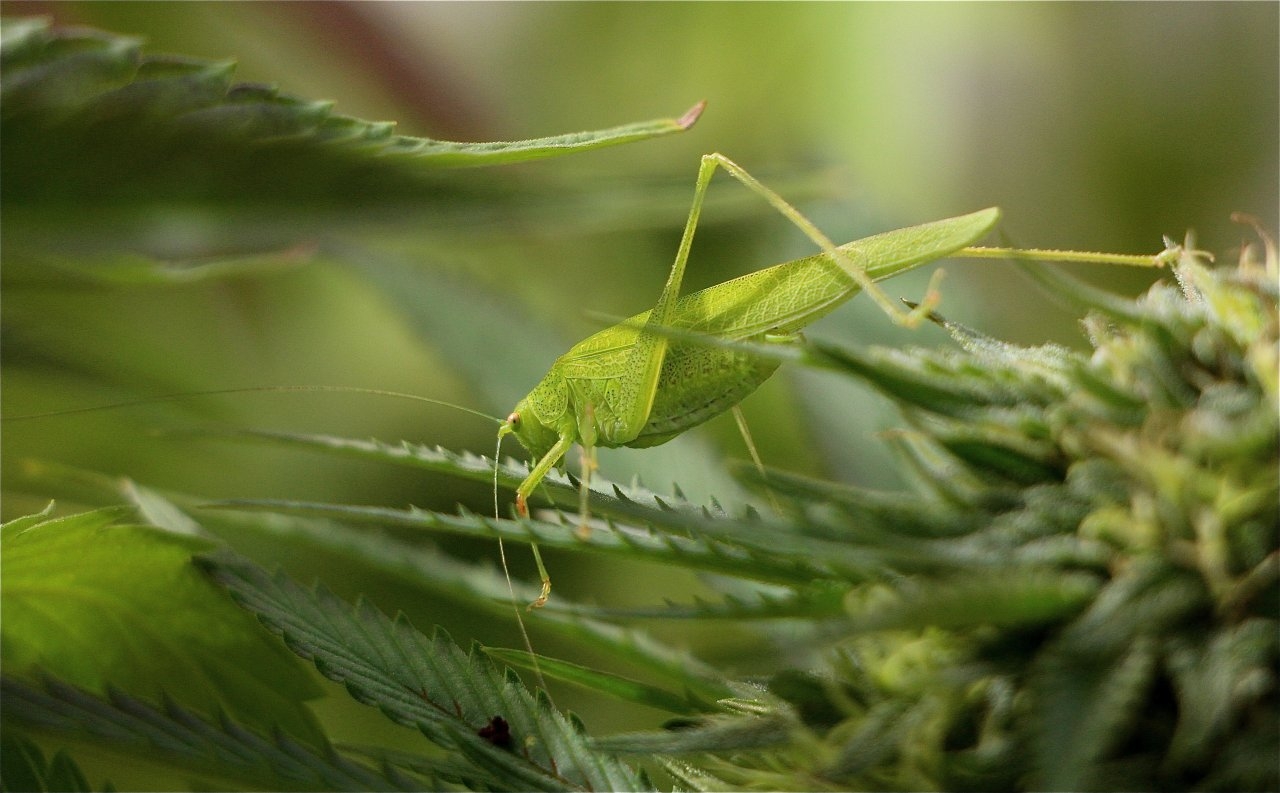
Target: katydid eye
(513, 419)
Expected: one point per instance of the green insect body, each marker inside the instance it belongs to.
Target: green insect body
(696, 381)
(635, 385)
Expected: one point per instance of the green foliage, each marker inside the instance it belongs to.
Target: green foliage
(23, 767)
(97, 600)
(1080, 591)
(131, 168)
(89, 117)
(430, 683)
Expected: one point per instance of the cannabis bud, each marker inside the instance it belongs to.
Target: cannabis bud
(1087, 595)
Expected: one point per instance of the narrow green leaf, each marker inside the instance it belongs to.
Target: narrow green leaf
(452, 154)
(608, 499)
(822, 600)
(454, 698)
(993, 452)
(884, 510)
(932, 470)
(771, 561)
(939, 381)
(132, 269)
(612, 685)
(691, 777)
(817, 701)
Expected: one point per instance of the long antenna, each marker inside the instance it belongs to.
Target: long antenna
(222, 391)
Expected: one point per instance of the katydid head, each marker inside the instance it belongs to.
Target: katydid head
(537, 420)
(537, 438)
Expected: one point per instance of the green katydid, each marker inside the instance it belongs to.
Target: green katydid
(644, 381)
(648, 379)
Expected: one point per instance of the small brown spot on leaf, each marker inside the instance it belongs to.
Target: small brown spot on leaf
(497, 732)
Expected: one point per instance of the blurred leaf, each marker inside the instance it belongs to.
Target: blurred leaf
(1024, 598)
(217, 746)
(1218, 682)
(98, 601)
(23, 768)
(88, 117)
(1083, 710)
(708, 734)
(174, 173)
(137, 270)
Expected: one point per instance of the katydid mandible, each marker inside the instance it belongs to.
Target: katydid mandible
(635, 385)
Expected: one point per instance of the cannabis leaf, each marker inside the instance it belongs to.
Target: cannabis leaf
(218, 746)
(456, 698)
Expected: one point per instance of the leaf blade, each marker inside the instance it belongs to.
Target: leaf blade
(98, 600)
(425, 682)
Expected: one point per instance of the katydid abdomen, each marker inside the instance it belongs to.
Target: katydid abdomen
(719, 382)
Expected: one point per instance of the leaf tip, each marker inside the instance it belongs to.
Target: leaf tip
(691, 115)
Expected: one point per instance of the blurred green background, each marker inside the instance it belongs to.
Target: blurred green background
(1094, 126)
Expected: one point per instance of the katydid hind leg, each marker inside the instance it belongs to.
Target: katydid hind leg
(856, 270)
(638, 382)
